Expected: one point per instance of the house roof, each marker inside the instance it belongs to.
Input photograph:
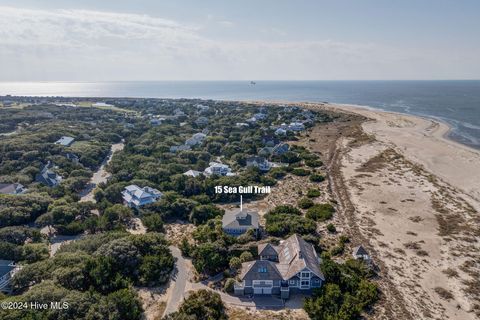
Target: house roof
(65, 141)
(266, 249)
(193, 173)
(236, 219)
(250, 270)
(141, 193)
(295, 254)
(11, 188)
(360, 251)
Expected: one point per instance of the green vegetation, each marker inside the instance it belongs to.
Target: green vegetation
(286, 220)
(305, 203)
(201, 304)
(346, 293)
(313, 193)
(320, 212)
(331, 228)
(315, 177)
(96, 274)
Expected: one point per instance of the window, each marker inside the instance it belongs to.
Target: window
(304, 283)
(305, 274)
(262, 269)
(291, 282)
(316, 280)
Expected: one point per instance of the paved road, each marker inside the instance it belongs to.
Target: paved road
(180, 276)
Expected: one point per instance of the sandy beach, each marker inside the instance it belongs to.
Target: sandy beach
(411, 196)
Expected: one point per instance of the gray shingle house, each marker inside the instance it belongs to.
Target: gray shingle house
(258, 162)
(291, 267)
(48, 177)
(12, 188)
(280, 149)
(237, 222)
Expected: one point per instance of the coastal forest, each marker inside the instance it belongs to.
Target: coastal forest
(78, 242)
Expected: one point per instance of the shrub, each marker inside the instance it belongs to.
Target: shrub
(300, 172)
(313, 193)
(229, 284)
(320, 212)
(285, 209)
(235, 263)
(153, 223)
(246, 256)
(313, 163)
(201, 304)
(284, 224)
(277, 173)
(305, 203)
(315, 177)
(331, 228)
(337, 250)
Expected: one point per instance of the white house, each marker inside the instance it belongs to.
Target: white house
(219, 169)
(135, 197)
(197, 138)
(296, 126)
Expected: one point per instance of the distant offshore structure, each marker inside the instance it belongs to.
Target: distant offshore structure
(253, 83)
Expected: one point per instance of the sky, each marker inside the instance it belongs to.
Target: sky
(86, 40)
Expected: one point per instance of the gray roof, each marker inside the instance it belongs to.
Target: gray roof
(266, 249)
(250, 271)
(294, 255)
(65, 141)
(236, 219)
(48, 177)
(360, 251)
(11, 188)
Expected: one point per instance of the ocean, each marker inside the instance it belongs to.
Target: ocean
(454, 102)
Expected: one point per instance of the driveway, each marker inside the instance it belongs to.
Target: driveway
(179, 278)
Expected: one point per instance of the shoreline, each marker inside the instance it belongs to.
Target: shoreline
(447, 128)
(424, 141)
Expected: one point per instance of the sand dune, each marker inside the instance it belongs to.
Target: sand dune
(416, 201)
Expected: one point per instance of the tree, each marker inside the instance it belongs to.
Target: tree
(235, 263)
(153, 222)
(229, 285)
(202, 213)
(201, 304)
(246, 256)
(210, 258)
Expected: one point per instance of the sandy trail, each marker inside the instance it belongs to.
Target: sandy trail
(101, 175)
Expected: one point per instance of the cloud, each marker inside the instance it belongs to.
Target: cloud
(94, 45)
